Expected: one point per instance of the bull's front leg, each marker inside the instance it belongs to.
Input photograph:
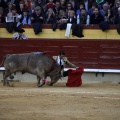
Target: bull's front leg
(5, 81)
(50, 83)
(40, 82)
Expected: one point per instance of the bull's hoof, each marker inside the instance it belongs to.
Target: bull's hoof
(39, 85)
(49, 84)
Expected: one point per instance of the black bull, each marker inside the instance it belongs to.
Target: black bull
(41, 65)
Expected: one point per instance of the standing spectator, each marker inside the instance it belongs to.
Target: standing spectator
(2, 15)
(87, 4)
(96, 18)
(24, 18)
(104, 10)
(37, 20)
(19, 34)
(51, 18)
(83, 18)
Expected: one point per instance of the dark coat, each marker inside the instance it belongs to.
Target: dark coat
(96, 20)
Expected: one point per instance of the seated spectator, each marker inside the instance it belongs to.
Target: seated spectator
(91, 10)
(2, 15)
(88, 4)
(31, 10)
(63, 4)
(37, 20)
(19, 34)
(57, 8)
(50, 4)
(12, 20)
(3, 3)
(104, 10)
(40, 2)
(81, 6)
(71, 21)
(109, 16)
(96, 18)
(51, 18)
(15, 2)
(115, 8)
(9, 7)
(74, 4)
(62, 20)
(69, 8)
(21, 8)
(83, 18)
(24, 18)
(117, 17)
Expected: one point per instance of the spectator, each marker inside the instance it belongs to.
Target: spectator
(81, 6)
(2, 15)
(62, 20)
(74, 4)
(24, 18)
(51, 18)
(40, 2)
(117, 17)
(37, 20)
(87, 4)
(50, 4)
(3, 3)
(96, 18)
(15, 3)
(19, 34)
(63, 4)
(91, 10)
(57, 8)
(109, 16)
(31, 10)
(115, 8)
(9, 7)
(69, 8)
(21, 8)
(83, 18)
(12, 20)
(104, 10)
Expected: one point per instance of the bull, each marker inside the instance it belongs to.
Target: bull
(41, 65)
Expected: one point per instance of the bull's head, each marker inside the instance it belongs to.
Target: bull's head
(55, 75)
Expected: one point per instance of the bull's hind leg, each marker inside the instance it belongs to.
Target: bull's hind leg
(5, 76)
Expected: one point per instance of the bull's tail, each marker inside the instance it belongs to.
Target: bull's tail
(4, 60)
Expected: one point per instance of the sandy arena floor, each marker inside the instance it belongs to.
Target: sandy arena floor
(91, 101)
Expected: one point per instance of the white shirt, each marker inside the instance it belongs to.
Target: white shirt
(58, 61)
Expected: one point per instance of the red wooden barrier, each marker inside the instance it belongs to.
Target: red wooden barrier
(85, 53)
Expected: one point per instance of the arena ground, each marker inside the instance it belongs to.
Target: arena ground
(91, 101)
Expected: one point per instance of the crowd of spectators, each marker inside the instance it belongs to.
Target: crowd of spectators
(38, 12)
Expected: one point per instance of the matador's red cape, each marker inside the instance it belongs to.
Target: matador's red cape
(74, 77)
